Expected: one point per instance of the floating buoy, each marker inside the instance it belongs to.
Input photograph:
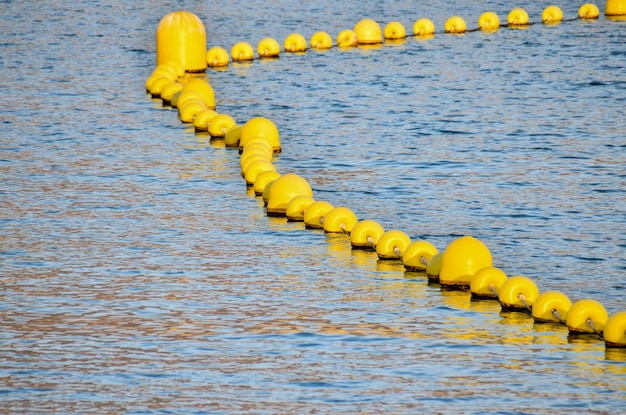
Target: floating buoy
(203, 88)
(283, 189)
(268, 48)
(259, 145)
(247, 159)
(347, 38)
(315, 213)
(517, 17)
(242, 52)
(551, 307)
(455, 25)
(201, 120)
(486, 283)
(263, 179)
(588, 11)
(177, 66)
(181, 37)
(255, 168)
(417, 255)
(296, 208)
(166, 71)
(187, 112)
(365, 234)
(434, 267)
(295, 42)
(615, 8)
(394, 30)
(231, 139)
(339, 220)
(615, 330)
(392, 244)
(168, 91)
(260, 126)
(368, 32)
(220, 124)
(552, 15)
(488, 21)
(217, 57)
(586, 316)
(462, 259)
(518, 293)
(158, 85)
(321, 40)
(424, 27)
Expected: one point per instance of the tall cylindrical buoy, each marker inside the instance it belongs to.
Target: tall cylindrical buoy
(615, 8)
(551, 307)
(586, 316)
(517, 17)
(486, 282)
(268, 48)
(462, 259)
(488, 21)
(217, 57)
(295, 42)
(365, 234)
(181, 37)
(347, 38)
(518, 293)
(552, 14)
(392, 244)
(321, 40)
(615, 330)
(417, 255)
(455, 25)
(368, 32)
(434, 267)
(263, 179)
(283, 189)
(424, 27)
(260, 126)
(588, 11)
(315, 213)
(296, 208)
(242, 52)
(339, 220)
(394, 30)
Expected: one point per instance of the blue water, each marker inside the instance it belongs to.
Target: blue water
(139, 275)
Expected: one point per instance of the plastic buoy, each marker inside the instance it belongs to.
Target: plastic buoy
(365, 234)
(247, 159)
(455, 25)
(417, 255)
(261, 146)
(368, 32)
(615, 330)
(189, 110)
(255, 168)
(260, 126)
(588, 11)
(488, 21)
(552, 15)
(392, 244)
(231, 139)
(517, 17)
(315, 213)
(462, 259)
(423, 27)
(295, 42)
(184, 96)
(217, 57)
(615, 8)
(168, 91)
(242, 52)
(201, 120)
(339, 220)
(487, 282)
(347, 38)
(551, 307)
(434, 267)
(518, 293)
(268, 48)
(166, 71)
(394, 30)
(181, 37)
(283, 189)
(586, 316)
(296, 208)
(177, 66)
(220, 124)
(203, 88)
(321, 40)
(158, 85)
(263, 179)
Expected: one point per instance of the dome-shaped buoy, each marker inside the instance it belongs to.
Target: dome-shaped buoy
(263, 179)
(177, 66)
(167, 71)
(283, 189)
(321, 40)
(220, 124)
(203, 88)
(588, 11)
(188, 112)
(231, 139)
(417, 255)
(615, 330)
(392, 244)
(434, 267)
(551, 307)
(615, 8)
(255, 168)
(368, 32)
(168, 91)
(158, 85)
(339, 220)
(365, 234)
(423, 27)
(201, 120)
(394, 30)
(247, 159)
(347, 38)
(315, 213)
(295, 42)
(518, 293)
(268, 48)
(552, 15)
(517, 17)
(488, 21)
(217, 57)
(259, 145)
(487, 282)
(296, 208)
(184, 96)
(455, 25)
(263, 127)
(586, 316)
(242, 52)
(462, 259)
(181, 37)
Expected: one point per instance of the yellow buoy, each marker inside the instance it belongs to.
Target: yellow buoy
(166, 71)
(203, 88)
(296, 208)
(283, 189)
(518, 293)
(315, 213)
(339, 220)
(394, 30)
(615, 8)
(462, 259)
(185, 96)
(201, 120)
(552, 14)
(455, 24)
(231, 139)
(486, 282)
(365, 234)
(517, 17)
(268, 48)
(417, 255)
(158, 85)
(321, 40)
(615, 330)
(259, 147)
(368, 32)
(295, 42)
(181, 37)
(551, 307)
(347, 38)
(488, 21)
(263, 179)
(247, 159)
(217, 57)
(423, 27)
(586, 316)
(588, 11)
(260, 126)
(220, 124)
(434, 267)
(392, 244)
(255, 168)
(188, 112)
(168, 91)
(242, 52)
(177, 66)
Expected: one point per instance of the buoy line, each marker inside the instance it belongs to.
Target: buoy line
(465, 264)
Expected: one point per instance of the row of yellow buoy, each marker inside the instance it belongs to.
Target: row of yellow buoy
(466, 263)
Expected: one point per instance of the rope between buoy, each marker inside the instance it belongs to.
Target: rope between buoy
(424, 261)
(370, 241)
(522, 298)
(493, 290)
(557, 315)
(590, 324)
(397, 251)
